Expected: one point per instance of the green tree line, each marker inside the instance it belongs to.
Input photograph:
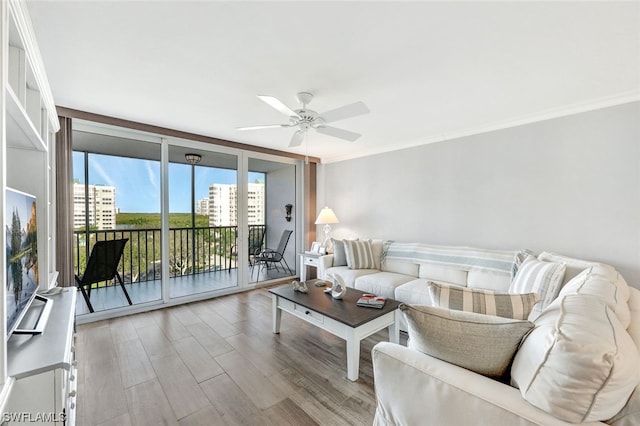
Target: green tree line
(142, 254)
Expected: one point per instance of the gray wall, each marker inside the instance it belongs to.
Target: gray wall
(570, 185)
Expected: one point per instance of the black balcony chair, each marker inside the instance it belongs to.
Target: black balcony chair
(269, 257)
(102, 266)
(256, 241)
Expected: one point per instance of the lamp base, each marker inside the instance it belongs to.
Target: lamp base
(326, 244)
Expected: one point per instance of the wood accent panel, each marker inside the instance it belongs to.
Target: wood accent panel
(310, 206)
(120, 122)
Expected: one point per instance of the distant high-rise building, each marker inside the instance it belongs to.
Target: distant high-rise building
(102, 206)
(223, 204)
(202, 206)
(255, 204)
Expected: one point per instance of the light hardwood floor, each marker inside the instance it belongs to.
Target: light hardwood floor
(217, 362)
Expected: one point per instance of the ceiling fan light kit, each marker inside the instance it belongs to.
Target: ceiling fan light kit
(305, 119)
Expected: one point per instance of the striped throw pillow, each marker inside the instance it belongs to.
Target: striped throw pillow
(515, 306)
(536, 276)
(359, 254)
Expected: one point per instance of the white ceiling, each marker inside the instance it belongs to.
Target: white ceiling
(427, 71)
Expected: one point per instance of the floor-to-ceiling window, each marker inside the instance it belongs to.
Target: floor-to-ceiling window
(116, 192)
(197, 216)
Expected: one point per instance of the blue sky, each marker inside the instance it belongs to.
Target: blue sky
(137, 181)
(22, 203)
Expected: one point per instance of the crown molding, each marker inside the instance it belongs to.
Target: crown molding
(549, 114)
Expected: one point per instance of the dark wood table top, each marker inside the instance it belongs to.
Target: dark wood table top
(342, 310)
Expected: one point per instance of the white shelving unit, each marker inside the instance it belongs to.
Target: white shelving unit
(28, 123)
(44, 367)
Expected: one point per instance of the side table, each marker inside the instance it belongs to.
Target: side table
(308, 259)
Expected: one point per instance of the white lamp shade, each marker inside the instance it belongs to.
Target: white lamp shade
(326, 216)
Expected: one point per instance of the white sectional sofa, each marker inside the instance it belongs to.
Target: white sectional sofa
(403, 277)
(580, 364)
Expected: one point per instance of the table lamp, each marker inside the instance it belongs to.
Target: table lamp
(326, 218)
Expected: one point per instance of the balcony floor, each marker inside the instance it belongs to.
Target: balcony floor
(105, 298)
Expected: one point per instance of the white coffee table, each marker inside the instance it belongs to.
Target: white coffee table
(342, 317)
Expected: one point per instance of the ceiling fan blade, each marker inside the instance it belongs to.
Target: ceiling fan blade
(266, 126)
(277, 104)
(338, 133)
(296, 139)
(346, 111)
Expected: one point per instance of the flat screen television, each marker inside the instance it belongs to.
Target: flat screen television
(22, 255)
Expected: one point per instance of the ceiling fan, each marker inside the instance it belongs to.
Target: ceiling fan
(305, 119)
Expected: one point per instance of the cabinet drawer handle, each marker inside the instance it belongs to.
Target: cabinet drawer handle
(72, 393)
(307, 312)
(72, 378)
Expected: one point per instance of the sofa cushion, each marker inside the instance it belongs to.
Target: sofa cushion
(359, 254)
(348, 275)
(604, 282)
(516, 306)
(539, 277)
(445, 274)
(414, 292)
(578, 364)
(339, 256)
(481, 343)
(630, 414)
(489, 280)
(573, 266)
(400, 267)
(381, 284)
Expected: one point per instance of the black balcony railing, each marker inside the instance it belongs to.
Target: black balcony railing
(191, 251)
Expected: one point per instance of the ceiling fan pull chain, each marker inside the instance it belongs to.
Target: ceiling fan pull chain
(306, 144)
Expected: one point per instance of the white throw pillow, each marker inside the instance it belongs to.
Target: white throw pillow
(516, 306)
(604, 282)
(574, 266)
(535, 276)
(481, 343)
(359, 254)
(578, 364)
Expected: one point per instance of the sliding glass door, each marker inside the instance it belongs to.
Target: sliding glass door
(271, 218)
(200, 220)
(203, 216)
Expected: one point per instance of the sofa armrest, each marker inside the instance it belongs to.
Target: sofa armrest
(324, 262)
(412, 388)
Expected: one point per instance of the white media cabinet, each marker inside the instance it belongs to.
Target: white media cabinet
(28, 123)
(43, 367)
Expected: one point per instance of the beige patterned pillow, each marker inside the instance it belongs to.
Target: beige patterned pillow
(481, 343)
(516, 306)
